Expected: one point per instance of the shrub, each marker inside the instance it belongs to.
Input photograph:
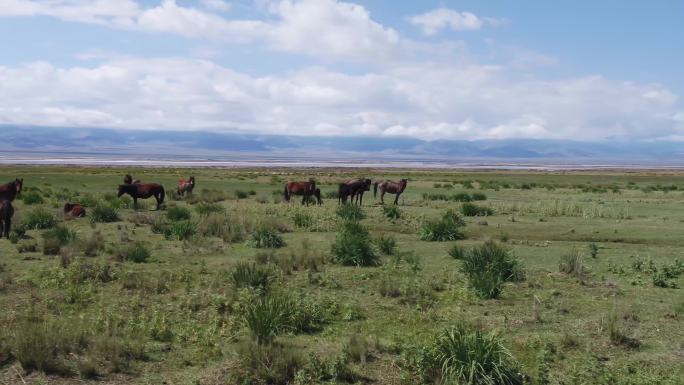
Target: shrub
(27, 247)
(250, 275)
(136, 252)
(265, 237)
(266, 364)
(267, 317)
(448, 228)
(32, 198)
(92, 245)
(488, 266)
(466, 355)
(204, 209)
(221, 226)
(571, 264)
(239, 194)
(39, 219)
(182, 230)
(178, 214)
(391, 212)
(303, 220)
(350, 212)
(461, 197)
(616, 334)
(479, 196)
(457, 252)
(104, 213)
(352, 246)
(62, 234)
(51, 246)
(471, 210)
(386, 244)
(593, 250)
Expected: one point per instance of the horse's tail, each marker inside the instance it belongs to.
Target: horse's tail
(286, 194)
(375, 190)
(162, 194)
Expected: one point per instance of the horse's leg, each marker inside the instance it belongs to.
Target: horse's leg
(396, 199)
(135, 203)
(303, 199)
(382, 196)
(156, 197)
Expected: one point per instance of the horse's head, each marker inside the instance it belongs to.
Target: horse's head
(128, 179)
(122, 189)
(191, 180)
(366, 184)
(18, 184)
(68, 207)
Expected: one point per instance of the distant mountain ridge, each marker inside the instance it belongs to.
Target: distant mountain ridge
(31, 139)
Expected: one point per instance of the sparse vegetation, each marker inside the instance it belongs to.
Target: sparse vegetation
(448, 228)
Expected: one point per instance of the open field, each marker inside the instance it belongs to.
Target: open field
(157, 297)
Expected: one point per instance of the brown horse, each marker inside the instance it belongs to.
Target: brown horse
(6, 213)
(74, 210)
(10, 190)
(353, 188)
(144, 191)
(306, 189)
(391, 187)
(128, 179)
(186, 186)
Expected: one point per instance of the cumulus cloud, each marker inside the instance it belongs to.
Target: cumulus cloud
(436, 20)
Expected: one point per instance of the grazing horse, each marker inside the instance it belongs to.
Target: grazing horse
(354, 188)
(128, 179)
(6, 212)
(391, 187)
(186, 186)
(317, 195)
(74, 210)
(306, 189)
(10, 190)
(144, 191)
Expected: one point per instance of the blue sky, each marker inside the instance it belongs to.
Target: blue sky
(581, 70)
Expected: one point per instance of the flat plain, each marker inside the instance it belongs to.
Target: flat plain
(175, 296)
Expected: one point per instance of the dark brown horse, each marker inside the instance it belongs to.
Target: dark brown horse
(143, 191)
(6, 213)
(305, 189)
(317, 195)
(10, 190)
(391, 187)
(353, 188)
(128, 179)
(186, 186)
(74, 210)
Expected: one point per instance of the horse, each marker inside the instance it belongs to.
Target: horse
(6, 213)
(306, 189)
(128, 179)
(144, 191)
(186, 186)
(354, 188)
(74, 210)
(391, 187)
(10, 190)
(317, 195)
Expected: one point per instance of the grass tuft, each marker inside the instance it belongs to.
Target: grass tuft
(353, 247)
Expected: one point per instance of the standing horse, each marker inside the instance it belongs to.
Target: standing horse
(74, 210)
(128, 179)
(6, 212)
(306, 189)
(186, 186)
(353, 188)
(144, 191)
(391, 187)
(10, 190)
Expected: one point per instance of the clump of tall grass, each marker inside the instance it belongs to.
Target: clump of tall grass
(32, 198)
(267, 317)
(391, 212)
(136, 252)
(181, 230)
(55, 238)
(302, 220)
(479, 196)
(353, 246)
(617, 336)
(487, 267)
(205, 209)
(39, 219)
(471, 210)
(386, 244)
(350, 212)
(250, 275)
(92, 245)
(178, 214)
(266, 364)
(265, 237)
(466, 355)
(222, 226)
(103, 213)
(572, 264)
(447, 228)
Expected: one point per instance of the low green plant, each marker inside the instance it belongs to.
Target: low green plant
(391, 212)
(39, 219)
(180, 230)
(250, 275)
(488, 266)
(267, 317)
(32, 198)
(353, 246)
(386, 244)
(447, 228)
(104, 212)
(205, 209)
(265, 237)
(472, 210)
(136, 252)
(178, 214)
(572, 264)
(350, 212)
(303, 220)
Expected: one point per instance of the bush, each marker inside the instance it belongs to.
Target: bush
(136, 252)
(350, 212)
(265, 237)
(391, 212)
(239, 194)
(479, 196)
(92, 245)
(178, 214)
(303, 220)
(250, 275)
(488, 266)
(461, 197)
(104, 213)
(465, 355)
(273, 364)
(352, 246)
(472, 210)
(32, 198)
(386, 244)
(205, 209)
(571, 264)
(267, 317)
(221, 226)
(182, 230)
(448, 228)
(39, 219)
(46, 346)
(457, 252)
(51, 246)
(62, 234)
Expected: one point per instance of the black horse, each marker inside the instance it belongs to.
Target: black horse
(353, 188)
(6, 213)
(144, 191)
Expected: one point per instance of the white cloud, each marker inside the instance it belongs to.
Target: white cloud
(434, 21)
(216, 5)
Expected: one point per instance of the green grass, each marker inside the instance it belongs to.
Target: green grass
(91, 315)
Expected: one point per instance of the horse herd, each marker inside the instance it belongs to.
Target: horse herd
(351, 190)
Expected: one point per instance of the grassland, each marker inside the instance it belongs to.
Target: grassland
(231, 285)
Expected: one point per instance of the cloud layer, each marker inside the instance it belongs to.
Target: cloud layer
(405, 87)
